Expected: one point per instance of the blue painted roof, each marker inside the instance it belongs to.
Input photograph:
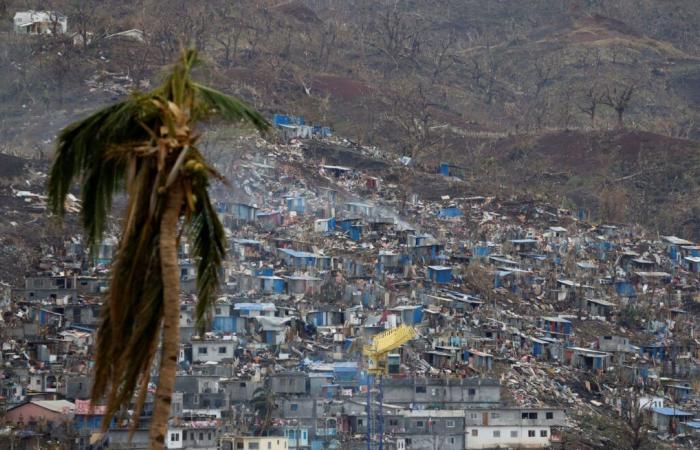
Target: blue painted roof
(297, 254)
(666, 411)
(255, 306)
(345, 365)
(246, 241)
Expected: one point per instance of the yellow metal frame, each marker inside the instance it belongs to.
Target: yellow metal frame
(383, 343)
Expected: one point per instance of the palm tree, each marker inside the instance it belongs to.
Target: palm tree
(146, 145)
(263, 403)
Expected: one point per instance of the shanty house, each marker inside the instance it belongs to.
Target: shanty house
(556, 327)
(585, 358)
(40, 22)
(295, 203)
(297, 259)
(440, 274)
(666, 419)
(46, 411)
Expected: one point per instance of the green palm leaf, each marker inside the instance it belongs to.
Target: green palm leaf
(144, 141)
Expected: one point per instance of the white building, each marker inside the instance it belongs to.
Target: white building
(512, 427)
(253, 443)
(215, 350)
(40, 22)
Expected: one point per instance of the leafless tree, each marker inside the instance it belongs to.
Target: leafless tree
(328, 35)
(635, 422)
(412, 111)
(229, 31)
(395, 31)
(590, 103)
(546, 69)
(83, 18)
(443, 55)
(619, 100)
(484, 74)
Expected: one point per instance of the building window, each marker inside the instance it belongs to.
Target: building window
(359, 422)
(218, 311)
(420, 390)
(529, 415)
(495, 415)
(253, 446)
(496, 433)
(452, 440)
(209, 436)
(473, 415)
(450, 423)
(550, 415)
(530, 433)
(174, 437)
(513, 434)
(393, 423)
(202, 350)
(471, 392)
(222, 349)
(294, 407)
(242, 385)
(201, 436)
(269, 445)
(543, 433)
(239, 445)
(419, 424)
(475, 433)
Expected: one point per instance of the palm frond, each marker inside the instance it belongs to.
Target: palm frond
(133, 312)
(81, 151)
(213, 102)
(143, 139)
(209, 247)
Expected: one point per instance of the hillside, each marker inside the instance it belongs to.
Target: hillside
(514, 90)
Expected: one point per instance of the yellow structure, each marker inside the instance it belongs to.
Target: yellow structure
(383, 343)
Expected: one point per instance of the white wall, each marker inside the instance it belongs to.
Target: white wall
(212, 350)
(173, 438)
(485, 437)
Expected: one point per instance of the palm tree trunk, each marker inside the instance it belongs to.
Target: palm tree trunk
(171, 311)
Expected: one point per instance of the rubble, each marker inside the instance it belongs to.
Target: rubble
(526, 312)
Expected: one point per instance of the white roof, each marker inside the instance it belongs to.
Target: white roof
(676, 240)
(25, 18)
(59, 406)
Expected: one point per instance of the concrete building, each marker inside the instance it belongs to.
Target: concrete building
(253, 443)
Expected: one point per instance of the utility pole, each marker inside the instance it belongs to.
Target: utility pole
(369, 412)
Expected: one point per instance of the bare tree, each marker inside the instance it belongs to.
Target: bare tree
(590, 103)
(395, 32)
(328, 34)
(546, 69)
(228, 31)
(484, 72)
(442, 55)
(619, 100)
(635, 422)
(412, 111)
(83, 17)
